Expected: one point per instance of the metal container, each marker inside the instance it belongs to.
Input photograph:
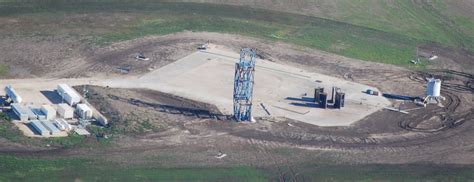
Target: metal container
(20, 111)
(433, 87)
(323, 103)
(65, 111)
(333, 94)
(50, 127)
(317, 93)
(340, 98)
(68, 94)
(84, 111)
(11, 93)
(39, 127)
(48, 111)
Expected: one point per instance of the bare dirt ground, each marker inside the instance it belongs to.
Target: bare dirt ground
(164, 129)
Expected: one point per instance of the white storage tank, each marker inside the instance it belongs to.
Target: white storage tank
(84, 111)
(11, 93)
(49, 111)
(62, 124)
(65, 111)
(433, 87)
(68, 94)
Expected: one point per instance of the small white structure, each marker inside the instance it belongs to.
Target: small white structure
(84, 111)
(11, 93)
(65, 111)
(20, 111)
(48, 111)
(62, 124)
(433, 91)
(433, 87)
(31, 114)
(68, 94)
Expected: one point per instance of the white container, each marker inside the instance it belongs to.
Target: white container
(49, 111)
(10, 92)
(39, 127)
(50, 127)
(68, 94)
(65, 111)
(62, 124)
(433, 87)
(84, 111)
(59, 124)
(20, 111)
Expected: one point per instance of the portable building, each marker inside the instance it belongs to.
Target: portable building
(31, 114)
(20, 111)
(40, 129)
(12, 94)
(50, 127)
(39, 115)
(65, 111)
(84, 111)
(68, 94)
(48, 111)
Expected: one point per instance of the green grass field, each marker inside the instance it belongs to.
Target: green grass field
(71, 169)
(74, 169)
(155, 18)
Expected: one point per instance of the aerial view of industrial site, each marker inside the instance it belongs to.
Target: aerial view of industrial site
(236, 90)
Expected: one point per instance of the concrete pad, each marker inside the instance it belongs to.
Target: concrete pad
(285, 91)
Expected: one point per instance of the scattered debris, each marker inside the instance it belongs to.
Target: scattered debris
(396, 110)
(220, 155)
(81, 131)
(124, 69)
(372, 92)
(433, 57)
(142, 57)
(204, 46)
(265, 109)
(417, 61)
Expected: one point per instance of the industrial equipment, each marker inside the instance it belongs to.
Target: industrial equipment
(243, 84)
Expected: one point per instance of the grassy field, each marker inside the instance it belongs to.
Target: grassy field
(70, 169)
(157, 18)
(444, 22)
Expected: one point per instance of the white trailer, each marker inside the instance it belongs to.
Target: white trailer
(50, 127)
(65, 111)
(11, 93)
(39, 127)
(68, 94)
(49, 111)
(20, 111)
(84, 111)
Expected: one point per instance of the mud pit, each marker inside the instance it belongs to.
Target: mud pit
(285, 91)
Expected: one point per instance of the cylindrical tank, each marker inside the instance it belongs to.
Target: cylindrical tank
(317, 93)
(433, 87)
(323, 103)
